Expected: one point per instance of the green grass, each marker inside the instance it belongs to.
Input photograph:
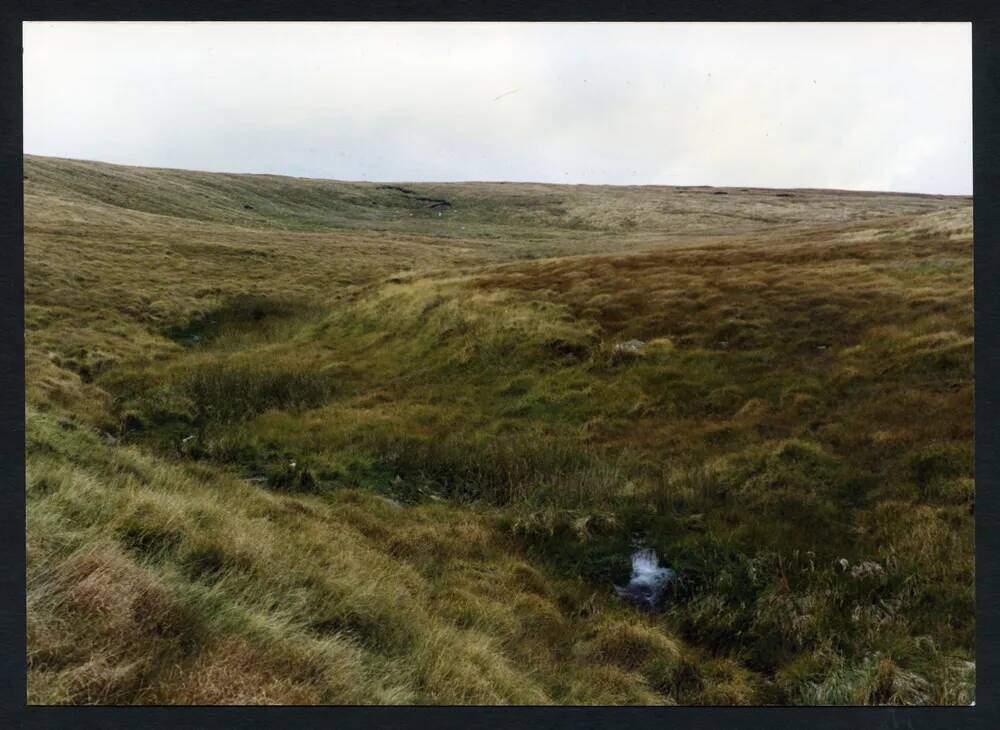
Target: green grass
(349, 455)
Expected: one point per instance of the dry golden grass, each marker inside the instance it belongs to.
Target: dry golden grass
(150, 584)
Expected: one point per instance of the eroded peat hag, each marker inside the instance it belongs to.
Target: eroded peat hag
(288, 443)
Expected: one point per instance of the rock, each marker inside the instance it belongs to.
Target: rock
(695, 522)
(630, 347)
(867, 569)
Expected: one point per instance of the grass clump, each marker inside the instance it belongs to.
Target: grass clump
(224, 392)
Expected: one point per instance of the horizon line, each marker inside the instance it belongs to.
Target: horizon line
(26, 154)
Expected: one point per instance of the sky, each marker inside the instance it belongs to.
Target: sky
(880, 106)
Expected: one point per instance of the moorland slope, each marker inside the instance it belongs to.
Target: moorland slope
(307, 441)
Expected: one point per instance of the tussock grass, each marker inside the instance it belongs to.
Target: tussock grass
(164, 583)
(321, 450)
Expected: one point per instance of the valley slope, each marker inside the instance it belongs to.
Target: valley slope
(307, 441)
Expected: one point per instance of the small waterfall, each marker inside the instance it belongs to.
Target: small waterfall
(648, 585)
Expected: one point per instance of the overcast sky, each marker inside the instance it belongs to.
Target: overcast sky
(858, 106)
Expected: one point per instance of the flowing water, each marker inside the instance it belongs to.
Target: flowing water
(649, 583)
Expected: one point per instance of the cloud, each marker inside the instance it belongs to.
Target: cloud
(862, 106)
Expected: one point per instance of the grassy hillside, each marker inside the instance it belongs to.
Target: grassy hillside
(304, 441)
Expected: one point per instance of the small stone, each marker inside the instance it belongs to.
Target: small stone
(696, 522)
(867, 569)
(632, 347)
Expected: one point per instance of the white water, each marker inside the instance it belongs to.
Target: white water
(649, 581)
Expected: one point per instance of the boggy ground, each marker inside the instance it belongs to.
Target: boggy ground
(297, 441)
